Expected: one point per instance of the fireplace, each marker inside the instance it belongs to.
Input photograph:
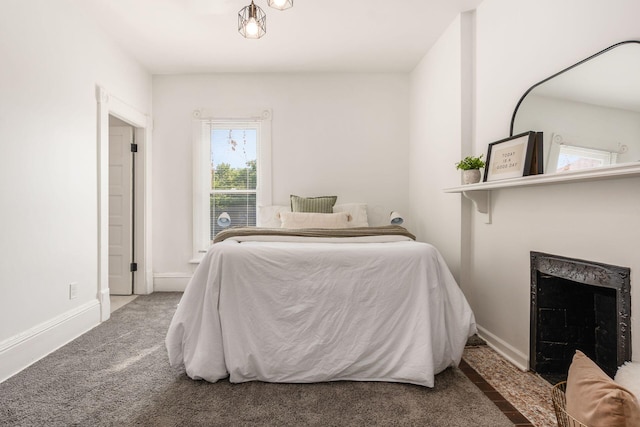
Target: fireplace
(577, 304)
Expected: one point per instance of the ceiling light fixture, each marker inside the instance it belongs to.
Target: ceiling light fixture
(252, 21)
(280, 4)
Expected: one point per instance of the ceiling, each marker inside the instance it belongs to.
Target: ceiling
(200, 36)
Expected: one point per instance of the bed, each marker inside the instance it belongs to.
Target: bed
(300, 306)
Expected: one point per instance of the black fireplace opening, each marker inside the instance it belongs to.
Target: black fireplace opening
(578, 305)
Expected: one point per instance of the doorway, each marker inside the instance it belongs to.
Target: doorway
(121, 207)
(140, 124)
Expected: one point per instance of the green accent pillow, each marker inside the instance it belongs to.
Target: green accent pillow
(322, 204)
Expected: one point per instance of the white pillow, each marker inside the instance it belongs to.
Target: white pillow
(358, 212)
(628, 376)
(297, 220)
(269, 216)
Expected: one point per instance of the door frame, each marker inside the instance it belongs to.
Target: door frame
(142, 124)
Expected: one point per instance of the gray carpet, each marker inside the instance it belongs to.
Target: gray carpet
(118, 374)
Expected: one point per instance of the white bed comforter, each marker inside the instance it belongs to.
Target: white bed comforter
(310, 312)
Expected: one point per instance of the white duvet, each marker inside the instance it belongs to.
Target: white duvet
(309, 312)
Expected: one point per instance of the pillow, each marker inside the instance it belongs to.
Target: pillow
(297, 220)
(628, 376)
(358, 212)
(322, 204)
(595, 399)
(269, 216)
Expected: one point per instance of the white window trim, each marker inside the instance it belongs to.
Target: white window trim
(201, 169)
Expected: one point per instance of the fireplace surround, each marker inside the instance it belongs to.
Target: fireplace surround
(577, 304)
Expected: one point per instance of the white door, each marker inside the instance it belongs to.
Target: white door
(120, 217)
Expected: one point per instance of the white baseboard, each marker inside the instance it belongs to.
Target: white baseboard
(170, 282)
(506, 350)
(26, 348)
(105, 305)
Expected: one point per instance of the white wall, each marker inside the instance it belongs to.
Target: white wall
(440, 127)
(332, 134)
(52, 59)
(519, 43)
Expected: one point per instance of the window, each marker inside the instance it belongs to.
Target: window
(234, 174)
(576, 158)
(231, 174)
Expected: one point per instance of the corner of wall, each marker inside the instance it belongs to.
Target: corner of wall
(26, 348)
(512, 354)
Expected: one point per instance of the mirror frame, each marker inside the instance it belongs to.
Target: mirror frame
(515, 112)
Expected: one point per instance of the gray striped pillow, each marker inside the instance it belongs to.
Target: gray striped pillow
(322, 204)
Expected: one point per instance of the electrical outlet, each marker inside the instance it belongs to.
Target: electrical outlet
(73, 290)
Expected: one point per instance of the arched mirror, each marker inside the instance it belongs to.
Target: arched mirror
(589, 113)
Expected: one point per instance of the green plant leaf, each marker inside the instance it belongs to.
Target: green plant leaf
(470, 162)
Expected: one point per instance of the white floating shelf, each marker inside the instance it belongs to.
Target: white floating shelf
(480, 193)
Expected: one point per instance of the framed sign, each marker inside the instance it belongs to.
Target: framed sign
(517, 156)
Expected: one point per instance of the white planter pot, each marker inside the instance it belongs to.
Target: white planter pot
(471, 176)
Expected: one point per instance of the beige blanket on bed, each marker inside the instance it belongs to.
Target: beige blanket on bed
(387, 230)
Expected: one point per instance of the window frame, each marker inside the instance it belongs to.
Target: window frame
(201, 145)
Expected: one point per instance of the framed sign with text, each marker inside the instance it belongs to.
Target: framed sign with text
(514, 157)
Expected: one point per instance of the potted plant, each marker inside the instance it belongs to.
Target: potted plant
(470, 167)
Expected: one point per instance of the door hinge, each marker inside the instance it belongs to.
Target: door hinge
(133, 267)
(134, 148)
